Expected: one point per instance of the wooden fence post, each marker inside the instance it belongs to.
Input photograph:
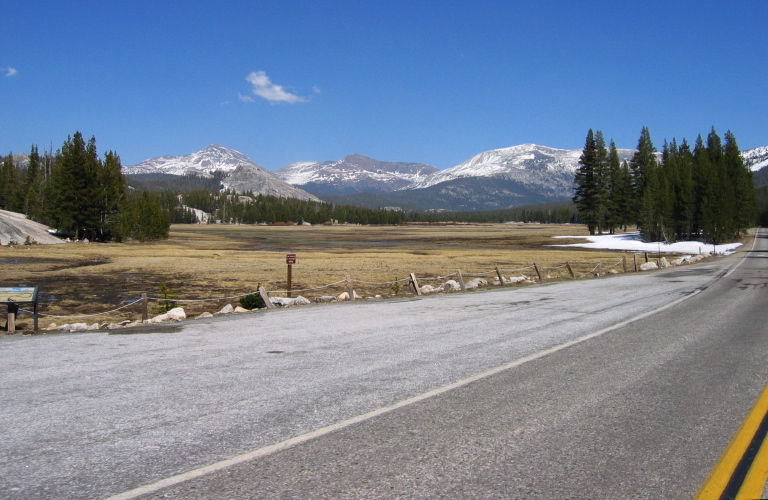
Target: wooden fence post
(624, 263)
(350, 290)
(501, 278)
(12, 310)
(461, 280)
(599, 269)
(415, 284)
(265, 297)
(144, 307)
(646, 257)
(538, 273)
(634, 258)
(570, 270)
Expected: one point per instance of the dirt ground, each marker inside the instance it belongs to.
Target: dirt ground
(222, 261)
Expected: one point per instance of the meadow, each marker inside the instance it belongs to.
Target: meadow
(216, 261)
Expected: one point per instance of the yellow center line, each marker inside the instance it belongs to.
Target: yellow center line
(756, 477)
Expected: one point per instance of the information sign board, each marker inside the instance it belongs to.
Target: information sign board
(14, 295)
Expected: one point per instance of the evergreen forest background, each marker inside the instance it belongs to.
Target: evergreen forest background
(706, 192)
(680, 194)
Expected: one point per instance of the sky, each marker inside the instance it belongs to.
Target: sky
(431, 82)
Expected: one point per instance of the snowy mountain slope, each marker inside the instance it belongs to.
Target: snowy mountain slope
(756, 158)
(354, 174)
(205, 161)
(243, 174)
(530, 165)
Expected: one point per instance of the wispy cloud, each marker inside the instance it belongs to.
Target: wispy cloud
(245, 98)
(10, 71)
(263, 87)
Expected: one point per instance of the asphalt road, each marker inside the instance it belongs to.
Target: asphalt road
(537, 392)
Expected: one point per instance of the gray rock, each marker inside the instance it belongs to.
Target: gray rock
(451, 285)
(326, 298)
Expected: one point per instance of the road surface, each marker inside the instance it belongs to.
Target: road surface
(628, 386)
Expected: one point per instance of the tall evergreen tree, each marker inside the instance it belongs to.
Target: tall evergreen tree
(740, 177)
(33, 199)
(110, 196)
(642, 161)
(586, 183)
(618, 191)
(8, 183)
(685, 193)
(592, 197)
(645, 185)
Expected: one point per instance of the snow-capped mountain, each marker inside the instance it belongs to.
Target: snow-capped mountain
(530, 165)
(354, 174)
(756, 158)
(205, 161)
(243, 173)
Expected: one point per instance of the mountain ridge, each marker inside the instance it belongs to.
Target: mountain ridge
(495, 179)
(354, 174)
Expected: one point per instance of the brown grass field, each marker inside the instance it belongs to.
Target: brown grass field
(214, 261)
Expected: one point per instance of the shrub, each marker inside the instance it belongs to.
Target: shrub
(252, 301)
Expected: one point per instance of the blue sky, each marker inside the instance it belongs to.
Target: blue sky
(432, 81)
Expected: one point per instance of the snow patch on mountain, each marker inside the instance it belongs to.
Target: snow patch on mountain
(756, 158)
(205, 161)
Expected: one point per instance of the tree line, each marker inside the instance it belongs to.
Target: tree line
(80, 194)
(705, 192)
(230, 207)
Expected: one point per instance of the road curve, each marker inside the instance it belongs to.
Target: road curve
(581, 389)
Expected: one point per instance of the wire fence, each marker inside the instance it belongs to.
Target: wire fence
(405, 286)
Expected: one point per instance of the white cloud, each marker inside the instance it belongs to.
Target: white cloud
(10, 71)
(316, 89)
(263, 87)
(245, 98)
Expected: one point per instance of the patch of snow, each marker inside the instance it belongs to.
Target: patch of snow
(633, 242)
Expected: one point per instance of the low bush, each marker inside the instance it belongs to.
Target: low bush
(252, 301)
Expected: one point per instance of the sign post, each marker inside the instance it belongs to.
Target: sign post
(290, 260)
(12, 297)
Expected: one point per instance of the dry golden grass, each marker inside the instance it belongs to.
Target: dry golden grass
(213, 261)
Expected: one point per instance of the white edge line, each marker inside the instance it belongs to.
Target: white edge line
(754, 242)
(303, 438)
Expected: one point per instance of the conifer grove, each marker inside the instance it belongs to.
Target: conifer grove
(680, 194)
(80, 194)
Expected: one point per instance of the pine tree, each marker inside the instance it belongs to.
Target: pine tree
(642, 165)
(740, 177)
(706, 191)
(602, 183)
(685, 193)
(110, 195)
(591, 194)
(8, 183)
(33, 203)
(616, 190)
